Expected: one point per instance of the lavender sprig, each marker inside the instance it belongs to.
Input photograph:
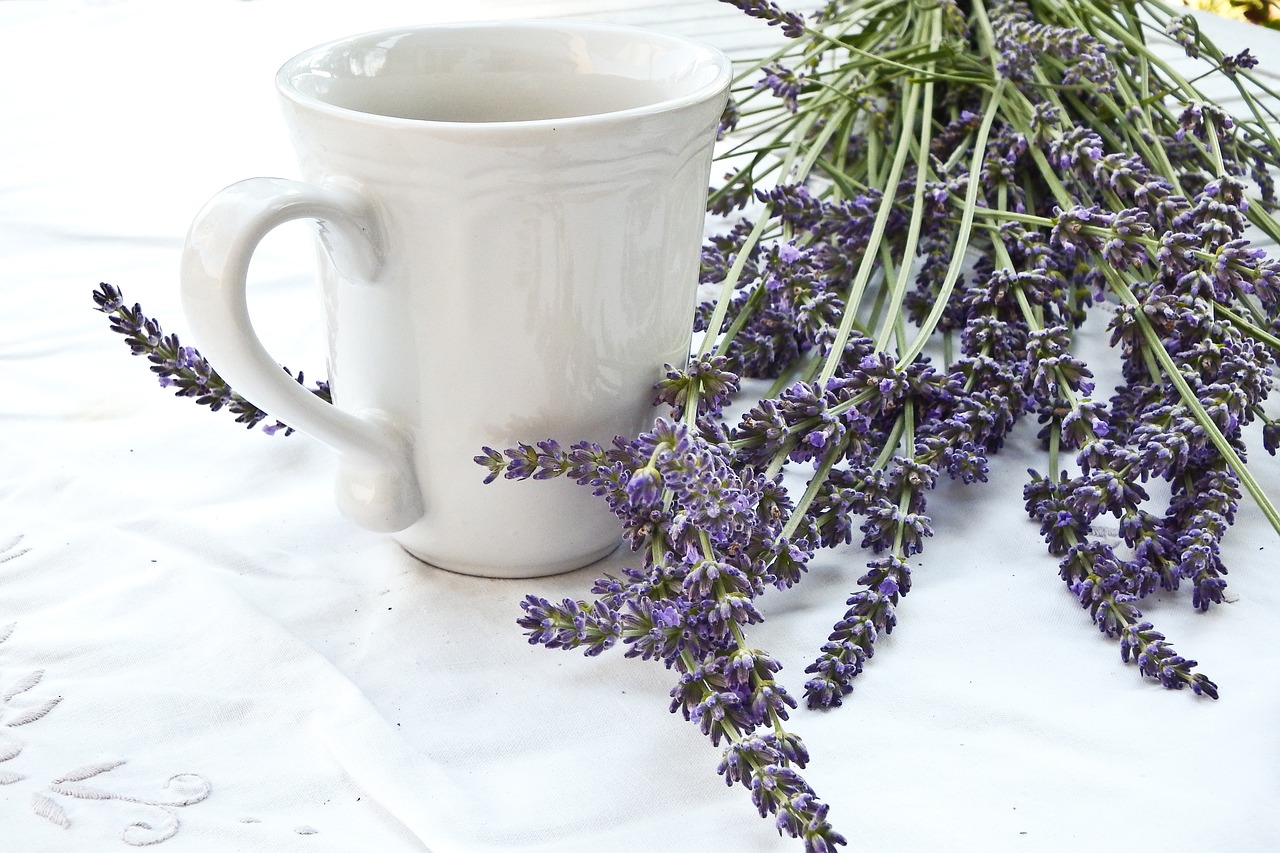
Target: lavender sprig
(791, 24)
(1108, 586)
(183, 368)
(707, 536)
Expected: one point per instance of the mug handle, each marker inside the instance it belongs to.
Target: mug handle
(376, 486)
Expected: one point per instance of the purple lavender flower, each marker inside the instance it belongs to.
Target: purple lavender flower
(571, 624)
(705, 379)
(1182, 29)
(1024, 44)
(794, 205)
(183, 368)
(1199, 120)
(1271, 437)
(644, 487)
(761, 433)
(785, 84)
(791, 306)
(1156, 659)
(706, 558)
(1244, 60)
(729, 119)
(1108, 587)
(852, 640)
(792, 24)
(761, 765)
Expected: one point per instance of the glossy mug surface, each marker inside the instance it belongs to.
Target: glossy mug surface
(509, 220)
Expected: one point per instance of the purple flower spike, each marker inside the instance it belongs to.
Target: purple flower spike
(183, 368)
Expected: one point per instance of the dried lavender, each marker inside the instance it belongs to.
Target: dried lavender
(791, 23)
(183, 368)
(885, 148)
(708, 539)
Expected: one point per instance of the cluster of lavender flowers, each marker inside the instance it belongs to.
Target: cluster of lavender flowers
(843, 277)
(888, 146)
(711, 540)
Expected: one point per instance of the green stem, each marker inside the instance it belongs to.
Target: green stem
(1250, 329)
(868, 263)
(815, 484)
(731, 282)
(963, 233)
(917, 210)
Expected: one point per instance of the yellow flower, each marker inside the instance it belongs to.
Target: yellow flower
(1228, 9)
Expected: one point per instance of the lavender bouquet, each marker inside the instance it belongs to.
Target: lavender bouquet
(925, 201)
(932, 197)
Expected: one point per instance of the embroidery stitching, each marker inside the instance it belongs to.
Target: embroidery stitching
(9, 748)
(190, 789)
(6, 556)
(187, 789)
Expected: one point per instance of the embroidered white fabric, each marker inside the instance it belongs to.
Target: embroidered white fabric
(196, 650)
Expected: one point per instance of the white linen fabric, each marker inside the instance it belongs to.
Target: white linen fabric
(197, 651)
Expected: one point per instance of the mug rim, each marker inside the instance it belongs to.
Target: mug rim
(703, 93)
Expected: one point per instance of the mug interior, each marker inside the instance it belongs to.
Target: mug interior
(506, 72)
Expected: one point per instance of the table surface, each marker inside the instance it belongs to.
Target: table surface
(196, 649)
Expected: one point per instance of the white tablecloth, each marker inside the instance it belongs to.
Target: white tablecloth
(197, 650)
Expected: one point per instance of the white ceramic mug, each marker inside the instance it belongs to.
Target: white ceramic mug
(510, 217)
